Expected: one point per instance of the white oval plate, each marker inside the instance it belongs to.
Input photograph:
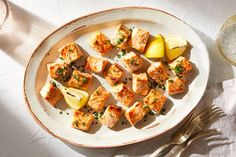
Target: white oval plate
(79, 30)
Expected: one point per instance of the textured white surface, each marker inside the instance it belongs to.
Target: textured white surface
(20, 136)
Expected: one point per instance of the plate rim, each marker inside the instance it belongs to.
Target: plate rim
(116, 145)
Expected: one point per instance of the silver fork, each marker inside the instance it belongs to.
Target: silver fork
(178, 150)
(192, 124)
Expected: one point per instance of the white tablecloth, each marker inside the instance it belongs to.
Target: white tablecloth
(20, 136)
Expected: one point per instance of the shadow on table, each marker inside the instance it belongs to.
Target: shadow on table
(204, 146)
(22, 34)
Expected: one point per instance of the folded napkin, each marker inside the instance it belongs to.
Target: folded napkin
(222, 95)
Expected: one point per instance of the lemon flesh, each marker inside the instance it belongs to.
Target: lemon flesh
(155, 49)
(74, 98)
(175, 47)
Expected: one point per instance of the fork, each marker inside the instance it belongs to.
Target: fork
(178, 150)
(192, 124)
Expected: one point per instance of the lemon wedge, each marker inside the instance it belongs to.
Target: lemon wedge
(175, 46)
(155, 49)
(75, 98)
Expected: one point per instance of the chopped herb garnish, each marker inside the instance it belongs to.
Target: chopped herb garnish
(154, 100)
(120, 40)
(70, 50)
(123, 52)
(54, 84)
(132, 61)
(60, 58)
(60, 71)
(96, 115)
(84, 79)
(151, 113)
(110, 115)
(118, 55)
(178, 69)
(76, 77)
(125, 82)
(145, 106)
(171, 81)
(77, 123)
(83, 123)
(61, 112)
(163, 87)
(67, 113)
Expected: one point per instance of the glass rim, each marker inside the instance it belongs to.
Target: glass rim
(5, 2)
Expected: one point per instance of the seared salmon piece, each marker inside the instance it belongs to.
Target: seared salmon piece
(132, 61)
(51, 93)
(113, 74)
(175, 85)
(100, 43)
(140, 83)
(70, 53)
(98, 98)
(155, 100)
(95, 64)
(80, 80)
(123, 94)
(59, 71)
(181, 66)
(158, 72)
(136, 113)
(111, 116)
(82, 120)
(120, 37)
(138, 39)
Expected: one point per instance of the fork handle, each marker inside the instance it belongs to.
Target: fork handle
(160, 149)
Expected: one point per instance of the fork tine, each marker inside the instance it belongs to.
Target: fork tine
(213, 111)
(215, 116)
(191, 118)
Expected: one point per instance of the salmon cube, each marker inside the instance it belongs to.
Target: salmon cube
(158, 72)
(132, 61)
(80, 80)
(100, 43)
(59, 71)
(51, 93)
(82, 120)
(111, 116)
(98, 98)
(113, 74)
(175, 86)
(120, 37)
(139, 39)
(155, 100)
(70, 53)
(123, 94)
(140, 83)
(181, 66)
(95, 64)
(136, 113)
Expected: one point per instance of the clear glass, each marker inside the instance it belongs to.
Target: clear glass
(226, 42)
(4, 14)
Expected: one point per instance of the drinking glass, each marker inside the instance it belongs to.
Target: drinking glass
(226, 41)
(4, 15)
